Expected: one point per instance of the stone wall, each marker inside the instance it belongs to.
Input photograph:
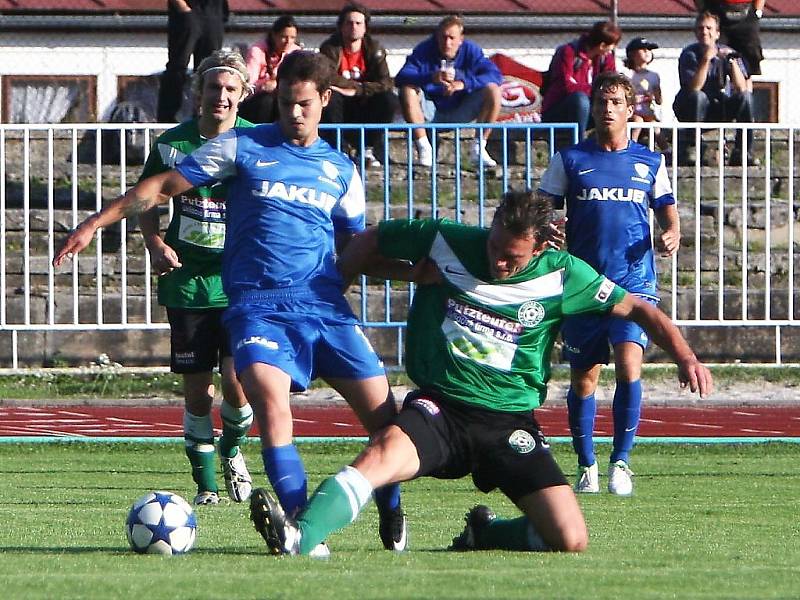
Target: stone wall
(715, 233)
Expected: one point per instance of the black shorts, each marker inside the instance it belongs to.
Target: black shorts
(197, 338)
(500, 450)
(744, 37)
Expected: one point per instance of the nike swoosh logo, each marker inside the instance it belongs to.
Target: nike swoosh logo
(585, 171)
(630, 428)
(266, 163)
(449, 269)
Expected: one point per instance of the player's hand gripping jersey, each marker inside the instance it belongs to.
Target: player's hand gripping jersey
(481, 341)
(608, 197)
(284, 204)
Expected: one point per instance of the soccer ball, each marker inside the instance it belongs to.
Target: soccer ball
(161, 523)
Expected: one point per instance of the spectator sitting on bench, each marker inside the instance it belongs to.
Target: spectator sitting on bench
(572, 69)
(455, 75)
(363, 92)
(713, 89)
(263, 60)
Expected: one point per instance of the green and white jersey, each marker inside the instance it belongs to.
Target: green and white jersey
(481, 341)
(197, 229)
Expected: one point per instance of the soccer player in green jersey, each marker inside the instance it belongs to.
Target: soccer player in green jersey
(478, 348)
(188, 261)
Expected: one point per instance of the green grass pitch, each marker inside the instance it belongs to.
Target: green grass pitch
(715, 522)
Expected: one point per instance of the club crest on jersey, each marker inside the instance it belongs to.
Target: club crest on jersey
(642, 171)
(331, 173)
(613, 194)
(293, 193)
(522, 442)
(530, 314)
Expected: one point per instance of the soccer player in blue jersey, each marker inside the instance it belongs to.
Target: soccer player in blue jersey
(293, 203)
(610, 184)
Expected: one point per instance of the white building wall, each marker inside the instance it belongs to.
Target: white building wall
(107, 56)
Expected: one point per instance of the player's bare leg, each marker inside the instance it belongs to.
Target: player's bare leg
(373, 402)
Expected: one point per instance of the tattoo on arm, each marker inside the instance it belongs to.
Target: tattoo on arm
(137, 206)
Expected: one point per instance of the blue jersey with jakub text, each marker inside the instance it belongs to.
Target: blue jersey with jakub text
(284, 204)
(608, 198)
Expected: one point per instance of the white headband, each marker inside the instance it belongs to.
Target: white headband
(229, 70)
(248, 88)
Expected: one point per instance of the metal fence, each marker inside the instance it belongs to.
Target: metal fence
(735, 270)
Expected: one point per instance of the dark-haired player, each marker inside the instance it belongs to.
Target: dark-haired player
(293, 203)
(610, 184)
(478, 348)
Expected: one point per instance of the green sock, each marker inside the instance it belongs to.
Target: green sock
(335, 503)
(510, 534)
(236, 423)
(204, 466)
(198, 433)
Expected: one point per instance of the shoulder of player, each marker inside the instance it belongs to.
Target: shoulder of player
(242, 122)
(453, 230)
(576, 152)
(644, 154)
(180, 133)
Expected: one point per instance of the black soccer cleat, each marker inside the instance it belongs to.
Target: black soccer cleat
(393, 529)
(476, 519)
(279, 531)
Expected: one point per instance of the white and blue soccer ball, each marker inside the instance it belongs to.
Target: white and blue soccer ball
(161, 523)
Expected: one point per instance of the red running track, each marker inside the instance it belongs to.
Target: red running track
(137, 422)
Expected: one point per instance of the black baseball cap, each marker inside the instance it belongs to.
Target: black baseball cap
(640, 42)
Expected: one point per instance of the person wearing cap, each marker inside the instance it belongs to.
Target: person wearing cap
(572, 69)
(646, 85)
(713, 89)
(740, 28)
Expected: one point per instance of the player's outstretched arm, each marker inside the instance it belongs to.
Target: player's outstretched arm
(361, 255)
(691, 372)
(144, 195)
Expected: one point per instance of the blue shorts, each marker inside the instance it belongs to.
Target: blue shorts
(587, 338)
(303, 335)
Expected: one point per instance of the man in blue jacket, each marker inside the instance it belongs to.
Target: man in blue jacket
(458, 79)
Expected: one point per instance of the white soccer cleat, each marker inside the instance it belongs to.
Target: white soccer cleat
(479, 152)
(321, 551)
(206, 499)
(619, 479)
(238, 481)
(588, 481)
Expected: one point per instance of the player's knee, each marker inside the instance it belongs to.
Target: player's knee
(574, 538)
